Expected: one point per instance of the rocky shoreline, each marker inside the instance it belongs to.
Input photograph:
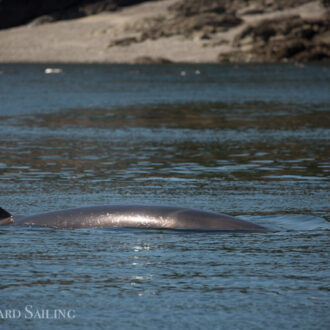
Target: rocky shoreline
(170, 31)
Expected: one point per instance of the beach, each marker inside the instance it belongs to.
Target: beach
(161, 32)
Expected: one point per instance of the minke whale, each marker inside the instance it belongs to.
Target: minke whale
(132, 216)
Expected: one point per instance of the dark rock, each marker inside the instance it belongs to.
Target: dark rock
(192, 7)
(268, 28)
(319, 52)
(98, 7)
(285, 39)
(288, 49)
(252, 11)
(326, 3)
(264, 32)
(123, 42)
(152, 60)
(206, 23)
(274, 5)
(44, 19)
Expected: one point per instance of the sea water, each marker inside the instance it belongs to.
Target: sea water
(245, 140)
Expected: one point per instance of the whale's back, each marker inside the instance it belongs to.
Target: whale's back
(138, 216)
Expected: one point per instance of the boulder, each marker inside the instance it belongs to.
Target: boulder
(152, 60)
(289, 39)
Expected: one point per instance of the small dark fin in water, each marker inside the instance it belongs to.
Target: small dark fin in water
(5, 217)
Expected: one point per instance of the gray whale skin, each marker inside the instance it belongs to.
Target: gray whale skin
(132, 216)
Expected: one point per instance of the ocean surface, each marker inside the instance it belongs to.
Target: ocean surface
(245, 140)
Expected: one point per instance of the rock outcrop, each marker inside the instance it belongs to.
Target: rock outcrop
(286, 38)
(293, 39)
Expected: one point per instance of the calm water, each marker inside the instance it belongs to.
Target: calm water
(247, 140)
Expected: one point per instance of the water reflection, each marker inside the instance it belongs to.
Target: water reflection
(252, 141)
(218, 115)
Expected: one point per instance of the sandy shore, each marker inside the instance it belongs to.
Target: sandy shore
(93, 39)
